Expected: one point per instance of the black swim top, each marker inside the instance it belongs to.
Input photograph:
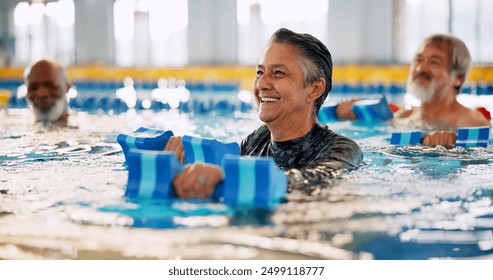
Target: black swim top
(319, 155)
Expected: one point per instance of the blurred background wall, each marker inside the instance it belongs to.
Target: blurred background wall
(370, 40)
(135, 33)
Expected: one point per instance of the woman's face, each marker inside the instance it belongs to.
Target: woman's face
(279, 88)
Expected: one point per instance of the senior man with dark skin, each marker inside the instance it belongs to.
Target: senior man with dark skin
(437, 73)
(293, 80)
(47, 86)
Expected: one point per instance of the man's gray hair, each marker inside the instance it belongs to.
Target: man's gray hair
(460, 58)
(62, 70)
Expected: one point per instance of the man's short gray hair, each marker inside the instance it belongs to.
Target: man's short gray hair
(460, 58)
(62, 70)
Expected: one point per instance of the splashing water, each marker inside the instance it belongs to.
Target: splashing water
(61, 197)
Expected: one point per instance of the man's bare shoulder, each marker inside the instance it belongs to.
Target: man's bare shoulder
(403, 112)
(473, 118)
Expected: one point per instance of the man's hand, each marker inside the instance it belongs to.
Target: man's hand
(443, 138)
(198, 180)
(344, 110)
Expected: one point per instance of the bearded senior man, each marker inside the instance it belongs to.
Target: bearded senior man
(47, 86)
(438, 72)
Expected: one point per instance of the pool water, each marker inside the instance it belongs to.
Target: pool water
(61, 197)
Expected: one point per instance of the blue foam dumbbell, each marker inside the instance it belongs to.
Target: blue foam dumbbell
(144, 139)
(473, 136)
(249, 182)
(369, 110)
(466, 137)
(372, 110)
(151, 173)
(252, 182)
(327, 113)
(207, 150)
(406, 138)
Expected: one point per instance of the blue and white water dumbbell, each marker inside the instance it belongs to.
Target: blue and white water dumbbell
(473, 137)
(151, 173)
(249, 182)
(144, 139)
(207, 150)
(252, 182)
(406, 138)
(370, 110)
(466, 137)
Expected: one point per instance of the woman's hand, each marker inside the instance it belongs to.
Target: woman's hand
(175, 145)
(198, 180)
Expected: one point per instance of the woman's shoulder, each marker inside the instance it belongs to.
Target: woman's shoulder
(258, 136)
(325, 134)
(262, 130)
(340, 147)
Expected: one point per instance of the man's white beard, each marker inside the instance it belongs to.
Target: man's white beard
(425, 94)
(52, 115)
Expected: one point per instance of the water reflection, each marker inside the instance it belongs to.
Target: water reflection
(61, 196)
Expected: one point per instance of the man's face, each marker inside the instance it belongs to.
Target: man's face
(430, 78)
(279, 86)
(46, 92)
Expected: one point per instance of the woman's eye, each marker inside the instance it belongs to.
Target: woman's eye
(277, 72)
(259, 73)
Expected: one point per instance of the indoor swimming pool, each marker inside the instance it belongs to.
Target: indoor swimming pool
(62, 197)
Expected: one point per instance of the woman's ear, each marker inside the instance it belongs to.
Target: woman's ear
(318, 88)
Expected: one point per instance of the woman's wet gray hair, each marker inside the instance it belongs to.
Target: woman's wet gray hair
(317, 62)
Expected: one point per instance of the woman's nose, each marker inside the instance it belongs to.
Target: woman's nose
(263, 82)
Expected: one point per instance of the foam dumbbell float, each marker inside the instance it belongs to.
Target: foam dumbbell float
(406, 138)
(466, 137)
(473, 137)
(144, 139)
(207, 150)
(369, 110)
(150, 173)
(327, 113)
(251, 182)
(248, 182)
(372, 110)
